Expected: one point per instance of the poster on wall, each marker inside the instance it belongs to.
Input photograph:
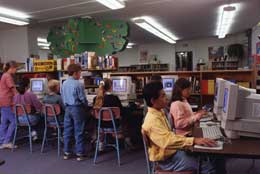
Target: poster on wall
(216, 54)
(143, 57)
(258, 48)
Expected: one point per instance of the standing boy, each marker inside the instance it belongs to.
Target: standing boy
(75, 116)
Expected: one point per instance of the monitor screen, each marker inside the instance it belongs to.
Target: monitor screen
(225, 100)
(119, 85)
(37, 86)
(168, 84)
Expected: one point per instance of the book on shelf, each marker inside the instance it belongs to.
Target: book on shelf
(207, 87)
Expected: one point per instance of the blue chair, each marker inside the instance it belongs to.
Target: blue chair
(153, 167)
(51, 111)
(23, 110)
(108, 114)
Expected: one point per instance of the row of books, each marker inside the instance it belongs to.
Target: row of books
(87, 60)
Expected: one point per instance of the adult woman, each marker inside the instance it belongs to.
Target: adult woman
(7, 92)
(180, 110)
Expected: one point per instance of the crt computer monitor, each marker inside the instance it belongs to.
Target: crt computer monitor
(219, 97)
(168, 84)
(38, 86)
(123, 87)
(240, 111)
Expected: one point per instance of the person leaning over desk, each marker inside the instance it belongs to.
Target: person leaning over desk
(165, 144)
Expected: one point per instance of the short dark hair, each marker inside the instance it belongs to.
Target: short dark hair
(179, 85)
(72, 68)
(152, 91)
(157, 78)
(22, 85)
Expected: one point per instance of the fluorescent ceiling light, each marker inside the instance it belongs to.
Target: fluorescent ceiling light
(155, 28)
(13, 13)
(112, 4)
(43, 40)
(12, 21)
(43, 44)
(45, 48)
(226, 18)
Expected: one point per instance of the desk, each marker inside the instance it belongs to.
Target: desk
(239, 148)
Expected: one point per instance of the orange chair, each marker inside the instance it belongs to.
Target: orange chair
(23, 110)
(108, 114)
(51, 111)
(153, 167)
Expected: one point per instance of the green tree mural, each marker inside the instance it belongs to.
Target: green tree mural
(79, 35)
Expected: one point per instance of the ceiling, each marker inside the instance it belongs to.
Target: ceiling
(187, 19)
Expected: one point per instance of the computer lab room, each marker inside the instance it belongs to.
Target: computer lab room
(130, 87)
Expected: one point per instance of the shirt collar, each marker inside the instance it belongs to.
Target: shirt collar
(155, 111)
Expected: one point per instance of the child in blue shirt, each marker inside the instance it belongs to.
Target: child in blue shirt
(75, 102)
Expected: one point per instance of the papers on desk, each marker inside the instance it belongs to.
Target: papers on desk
(219, 146)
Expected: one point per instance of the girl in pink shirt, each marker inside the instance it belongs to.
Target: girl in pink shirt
(180, 110)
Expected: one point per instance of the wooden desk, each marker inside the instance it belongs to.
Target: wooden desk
(239, 148)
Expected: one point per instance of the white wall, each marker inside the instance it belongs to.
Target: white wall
(199, 47)
(255, 34)
(14, 44)
(128, 56)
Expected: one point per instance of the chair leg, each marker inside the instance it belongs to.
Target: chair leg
(117, 150)
(59, 139)
(44, 139)
(97, 145)
(15, 133)
(30, 138)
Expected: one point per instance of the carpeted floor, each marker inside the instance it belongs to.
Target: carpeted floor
(22, 162)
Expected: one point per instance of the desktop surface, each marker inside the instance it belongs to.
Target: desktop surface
(240, 148)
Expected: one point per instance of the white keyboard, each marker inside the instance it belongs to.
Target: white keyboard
(212, 132)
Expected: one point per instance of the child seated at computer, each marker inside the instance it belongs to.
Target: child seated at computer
(26, 97)
(105, 98)
(165, 146)
(181, 112)
(54, 98)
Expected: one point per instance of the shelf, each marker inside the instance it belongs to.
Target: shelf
(195, 94)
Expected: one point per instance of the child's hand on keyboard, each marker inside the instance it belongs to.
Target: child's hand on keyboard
(202, 113)
(205, 142)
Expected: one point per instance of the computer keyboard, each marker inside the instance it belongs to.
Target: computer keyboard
(212, 132)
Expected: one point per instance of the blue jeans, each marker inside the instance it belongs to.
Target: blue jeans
(34, 119)
(74, 121)
(181, 161)
(7, 126)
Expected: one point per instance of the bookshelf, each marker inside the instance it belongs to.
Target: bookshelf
(196, 77)
(144, 67)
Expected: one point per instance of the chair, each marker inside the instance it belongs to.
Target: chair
(108, 114)
(23, 110)
(153, 167)
(51, 111)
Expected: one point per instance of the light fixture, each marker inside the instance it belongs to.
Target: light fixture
(225, 20)
(112, 4)
(155, 28)
(130, 45)
(13, 16)
(12, 21)
(43, 43)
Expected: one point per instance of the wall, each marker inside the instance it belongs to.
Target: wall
(166, 52)
(199, 47)
(255, 39)
(14, 44)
